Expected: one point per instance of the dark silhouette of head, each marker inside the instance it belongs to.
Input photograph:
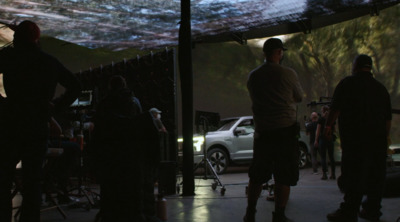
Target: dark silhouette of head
(26, 33)
(273, 50)
(362, 62)
(272, 44)
(116, 82)
(325, 109)
(314, 116)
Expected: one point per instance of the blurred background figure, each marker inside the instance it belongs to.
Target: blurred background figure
(156, 113)
(311, 128)
(325, 144)
(126, 148)
(117, 156)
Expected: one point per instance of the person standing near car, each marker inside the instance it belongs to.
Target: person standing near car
(325, 145)
(363, 107)
(311, 128)
(274, 90)
(157, 119)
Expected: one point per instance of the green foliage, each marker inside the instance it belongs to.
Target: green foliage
(325, 56)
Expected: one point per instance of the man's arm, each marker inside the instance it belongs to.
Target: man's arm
(297, 89)
(388, 126)
(388, 117)
(55, 128)
(335, 108)
(317, 132)
(332, 116)
(72, 89)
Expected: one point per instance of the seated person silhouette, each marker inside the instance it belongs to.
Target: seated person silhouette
(120, 137)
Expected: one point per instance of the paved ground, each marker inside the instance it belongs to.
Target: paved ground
(310, 201)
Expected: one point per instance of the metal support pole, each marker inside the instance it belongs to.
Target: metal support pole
(186, 74)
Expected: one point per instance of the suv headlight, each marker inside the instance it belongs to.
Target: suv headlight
(198, 142)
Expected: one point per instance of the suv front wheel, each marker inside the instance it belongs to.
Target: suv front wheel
(303, 156)
(219, 160)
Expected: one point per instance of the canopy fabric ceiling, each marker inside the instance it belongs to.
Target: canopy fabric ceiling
(152, 24)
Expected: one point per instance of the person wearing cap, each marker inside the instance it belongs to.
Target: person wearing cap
(156, 113)
(153, 156)
(30, 77)
(325, 145)
(363, 107)
(274, 91)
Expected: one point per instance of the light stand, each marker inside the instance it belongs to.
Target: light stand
(202, 120)
(80, 188)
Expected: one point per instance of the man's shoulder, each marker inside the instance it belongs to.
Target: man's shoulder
(47, 56)
(286, 68)
(347, 80)
(379, 83)
(279, 67)
(258, 69)
(255, 72)
(289, 72)
(272, 67)
(353, 79)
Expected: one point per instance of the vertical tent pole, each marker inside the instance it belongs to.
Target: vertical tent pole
(186, 74)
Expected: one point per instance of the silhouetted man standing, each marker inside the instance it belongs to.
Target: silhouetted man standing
(274, 89)
(364, 110)
(30, 80)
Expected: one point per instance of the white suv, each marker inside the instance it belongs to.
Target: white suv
(233, 143)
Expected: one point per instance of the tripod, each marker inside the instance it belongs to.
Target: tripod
(206, 162)
(80, 188)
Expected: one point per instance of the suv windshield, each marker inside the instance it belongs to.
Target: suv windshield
(227, 124)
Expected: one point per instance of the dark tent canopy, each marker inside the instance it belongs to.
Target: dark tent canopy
(151, 24)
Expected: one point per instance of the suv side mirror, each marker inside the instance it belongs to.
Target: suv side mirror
(239, 131)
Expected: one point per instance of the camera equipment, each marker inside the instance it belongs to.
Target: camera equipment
(206, 119)
(79, 107)
(328, 101)
(84, 100)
